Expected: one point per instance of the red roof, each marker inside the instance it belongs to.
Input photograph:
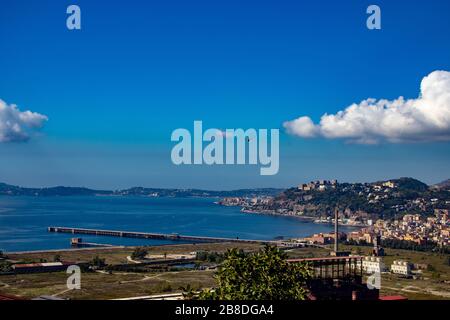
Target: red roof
(27, 265)
(393, 298)
(42, 264)
(4, 297)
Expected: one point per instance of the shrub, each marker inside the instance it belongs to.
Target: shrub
(139, 253)
(265, 275)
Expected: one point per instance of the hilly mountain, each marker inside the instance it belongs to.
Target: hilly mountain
(10, 190)
(159, 192)
(382, 199)
(444, 185)
(409, 184)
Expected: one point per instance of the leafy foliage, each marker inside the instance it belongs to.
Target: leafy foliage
(411, 245)
(411, 184)
(213, 257)
(188, 292)
(98, 262)
(139, 253)
(5, 266)
(265, 275)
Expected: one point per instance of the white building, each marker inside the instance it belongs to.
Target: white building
(373, 265)
(401, 267)
(389, 184)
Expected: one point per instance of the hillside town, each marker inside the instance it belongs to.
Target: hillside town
(413, 228)
(403, 209)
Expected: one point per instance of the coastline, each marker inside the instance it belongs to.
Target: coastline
(271, 213)
(306, 218)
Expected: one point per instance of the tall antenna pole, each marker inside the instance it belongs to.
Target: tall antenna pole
(336, 229)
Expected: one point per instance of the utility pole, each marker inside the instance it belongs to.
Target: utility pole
(336, 229)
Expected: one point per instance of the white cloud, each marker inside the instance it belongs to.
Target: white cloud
(16, 125)
(426, 118)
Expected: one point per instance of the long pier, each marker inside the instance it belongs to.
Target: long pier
(159, 236)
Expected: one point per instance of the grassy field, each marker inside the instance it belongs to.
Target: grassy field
(119, 255)
(102, 285)
(433, 283)
(96, 285)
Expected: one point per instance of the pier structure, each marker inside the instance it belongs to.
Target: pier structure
(158, 236)
(79, 243)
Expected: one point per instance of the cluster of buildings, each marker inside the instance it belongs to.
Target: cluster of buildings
(369, 264)
(320, 185)
(323, 238)
(245, 201)
(412, 227)
(347, 217)
(360, 201)
(365, 235)
(387, 199)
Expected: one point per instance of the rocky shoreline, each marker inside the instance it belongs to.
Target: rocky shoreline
(306, 218)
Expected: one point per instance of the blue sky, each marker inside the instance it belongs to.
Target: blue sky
(114, 91)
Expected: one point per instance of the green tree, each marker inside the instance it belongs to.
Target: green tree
(188, 292)
(265, 275)
(98, 262)
(435, 275)
(57, 258)
(139, 253)
(5, 266)
(201, 255)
